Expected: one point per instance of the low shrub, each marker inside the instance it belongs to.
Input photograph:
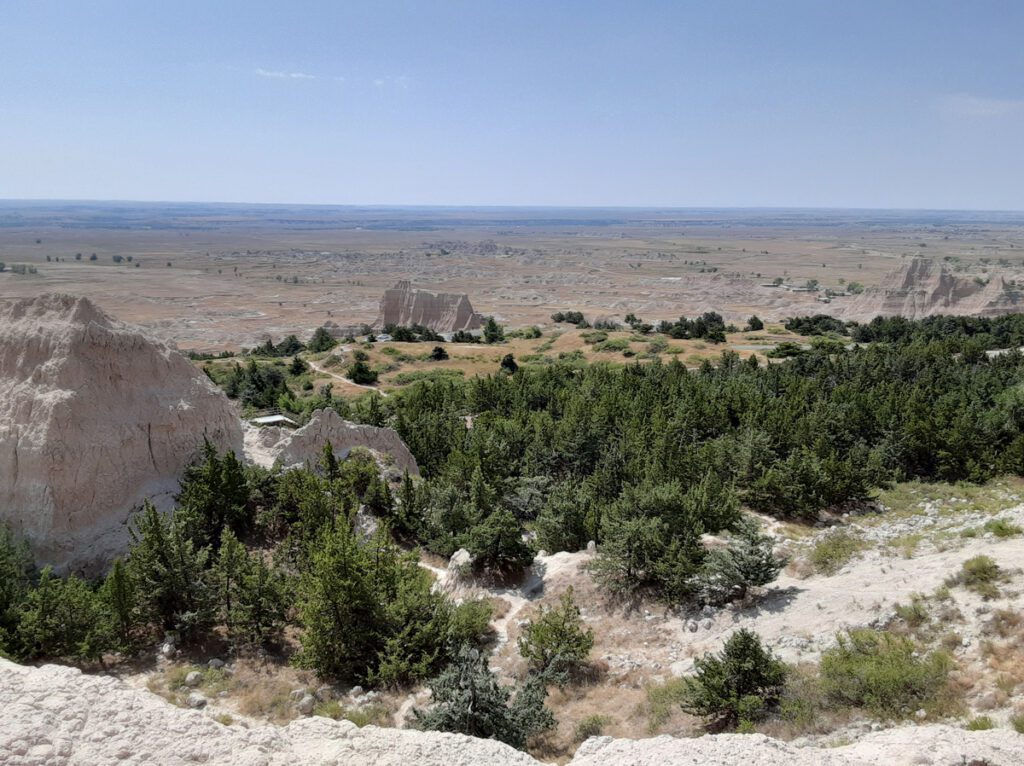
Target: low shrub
(557, 640)
(612, 344)
(1017, 722)
(591, 726)
(980, 723)
(980, 574)
(833, 551)
(1002, 528)
(884, 673)
(662, 700)
(915, 614)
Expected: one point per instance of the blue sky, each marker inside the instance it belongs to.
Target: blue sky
(902, 103)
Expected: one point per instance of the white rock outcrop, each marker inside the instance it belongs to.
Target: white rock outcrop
(57, 716)
(95, 416)
(271, 444)
(442, 312)
(922, 287)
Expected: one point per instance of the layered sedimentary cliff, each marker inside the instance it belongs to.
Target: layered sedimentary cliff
(922, 287)
(441, 312)
(56, 716)
(266, 446)
(95, 416)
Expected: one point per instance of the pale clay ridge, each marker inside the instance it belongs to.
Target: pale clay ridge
(95, 417)
(921, 287)
(441, 312)
(265, 446)
(57, 716)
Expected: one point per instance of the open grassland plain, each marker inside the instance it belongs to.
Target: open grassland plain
(211, 277)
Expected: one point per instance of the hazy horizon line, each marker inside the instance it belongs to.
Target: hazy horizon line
(493, 205)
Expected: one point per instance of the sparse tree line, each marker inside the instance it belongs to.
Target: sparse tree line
(966, 334)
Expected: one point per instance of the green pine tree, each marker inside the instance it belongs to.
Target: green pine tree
(120, 600)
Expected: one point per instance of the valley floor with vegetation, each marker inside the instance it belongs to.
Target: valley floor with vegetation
(814, 537)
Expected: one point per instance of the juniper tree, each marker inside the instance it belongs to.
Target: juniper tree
(467, 699)
(120, 599)
(15, 568)
(170, 572)
(62, 618)
(557, 640)
(739, 684)
(321, 341)
(338, 607)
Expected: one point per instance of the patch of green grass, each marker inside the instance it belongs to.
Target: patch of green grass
(906, 545)
(1002, 528)
(980, 723)
(915, 614)
(414, 376)
(612, 344)
(906, 498)
(360, 716)
(546, 345)
(1017, 722)
(662, 701)
(591, 726)
(834, 550)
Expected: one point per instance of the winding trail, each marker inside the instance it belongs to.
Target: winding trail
(345, 380)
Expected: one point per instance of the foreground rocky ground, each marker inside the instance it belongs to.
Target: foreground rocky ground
(56, 716)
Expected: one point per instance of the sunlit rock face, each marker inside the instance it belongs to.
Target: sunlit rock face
(95, 417)
(442, 312)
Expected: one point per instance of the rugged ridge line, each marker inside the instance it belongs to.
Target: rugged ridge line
(921, 287)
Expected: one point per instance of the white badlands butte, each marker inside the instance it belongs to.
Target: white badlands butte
(95, 417)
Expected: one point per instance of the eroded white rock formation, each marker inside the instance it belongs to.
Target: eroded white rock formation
(441, 312)
(923, 287)
(265, 446)
(95, 416)
(56, 716)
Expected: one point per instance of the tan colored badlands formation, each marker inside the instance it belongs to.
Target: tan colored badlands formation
(441, 312)
(922, 287)
(265, 446)
(56, 716)
(95, 416)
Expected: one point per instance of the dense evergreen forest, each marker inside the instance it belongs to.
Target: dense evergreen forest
(644, 458)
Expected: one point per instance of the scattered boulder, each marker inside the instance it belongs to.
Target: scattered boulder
(196, 701)
(95, 417)
(460, 561)
(194, 678)
(306, 704)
